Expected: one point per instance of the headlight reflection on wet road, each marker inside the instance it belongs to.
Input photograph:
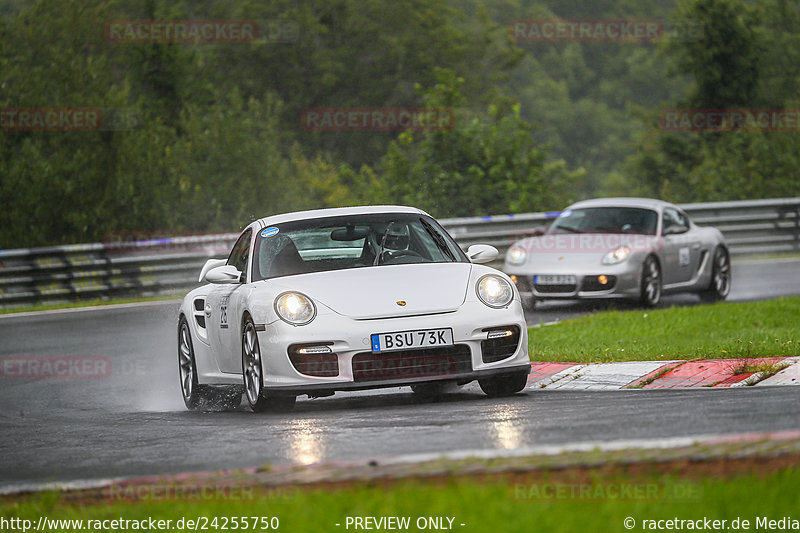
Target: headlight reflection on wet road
(305, 439)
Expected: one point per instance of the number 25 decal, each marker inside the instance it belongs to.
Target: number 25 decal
(223, 312)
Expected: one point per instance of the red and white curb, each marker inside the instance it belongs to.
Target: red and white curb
(662, 374)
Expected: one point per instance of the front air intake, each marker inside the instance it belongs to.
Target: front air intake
(501, 343)
(314, 360)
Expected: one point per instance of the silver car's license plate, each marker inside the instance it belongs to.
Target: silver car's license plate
(554, 279)
(404, 340)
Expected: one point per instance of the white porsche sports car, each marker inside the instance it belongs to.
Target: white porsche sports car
(345, 299)
(634, 248)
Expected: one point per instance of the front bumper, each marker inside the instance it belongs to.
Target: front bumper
(356, 367)
(621, 281)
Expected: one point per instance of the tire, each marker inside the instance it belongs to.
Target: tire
(504, 385)
(720, 285)
(652, 283)
(198, 397)
(252, 375)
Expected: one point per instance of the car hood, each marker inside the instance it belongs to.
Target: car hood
(374, 292)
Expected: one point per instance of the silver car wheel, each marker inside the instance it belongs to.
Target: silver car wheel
(185, 363)
(251, 363)
(722, 274)
(651, 283)
(252, 373)
(720, 284)
(195, 396)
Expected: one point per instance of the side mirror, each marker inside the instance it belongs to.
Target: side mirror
(538, 232)
(225, 274)
(211, 263)
(482, 253)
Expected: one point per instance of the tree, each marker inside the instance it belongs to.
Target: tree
(487, 163)
(738, 62)
(723, 60)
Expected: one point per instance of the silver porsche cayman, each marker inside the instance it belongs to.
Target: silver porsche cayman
(632, 248)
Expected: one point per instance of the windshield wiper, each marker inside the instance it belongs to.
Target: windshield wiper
(383, 243)
(568, 229)
(438, 238)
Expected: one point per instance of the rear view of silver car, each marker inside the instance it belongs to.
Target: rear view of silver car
(631, 248)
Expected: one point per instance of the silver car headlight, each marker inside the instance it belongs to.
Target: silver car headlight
(494, 291)
(617, 256)
(295, 308)
(516, 255)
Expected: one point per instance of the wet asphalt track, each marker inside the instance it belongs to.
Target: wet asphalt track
(133, 422)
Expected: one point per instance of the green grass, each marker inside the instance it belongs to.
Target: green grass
(722, 330)
(497, 505)
(762, 257)
(86, 303)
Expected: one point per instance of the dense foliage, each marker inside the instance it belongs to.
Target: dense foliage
(210, 134)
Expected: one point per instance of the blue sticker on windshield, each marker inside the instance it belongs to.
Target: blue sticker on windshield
(566, 213)
(269, 232)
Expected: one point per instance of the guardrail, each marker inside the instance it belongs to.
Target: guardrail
(750, 227)
(127, 267)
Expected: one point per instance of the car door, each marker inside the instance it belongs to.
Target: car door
(223, 310)
(679, 256)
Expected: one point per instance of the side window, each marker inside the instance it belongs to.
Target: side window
(684, 219)
(674, 221)
(240, 251)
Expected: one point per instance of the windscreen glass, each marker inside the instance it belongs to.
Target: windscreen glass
(606, 220)
(353, 241)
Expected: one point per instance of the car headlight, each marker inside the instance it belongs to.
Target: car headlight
(295, 308)
(616, 256)
(516, 255)
(494, 291)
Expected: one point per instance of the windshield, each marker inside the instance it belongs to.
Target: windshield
(353, 241)
(606, 220)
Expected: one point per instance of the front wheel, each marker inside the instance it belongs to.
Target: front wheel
(651, 283)
(252, 375)
(720, 285)
(505, 385)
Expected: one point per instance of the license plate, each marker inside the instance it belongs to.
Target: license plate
(554, 279)
(405, 340)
